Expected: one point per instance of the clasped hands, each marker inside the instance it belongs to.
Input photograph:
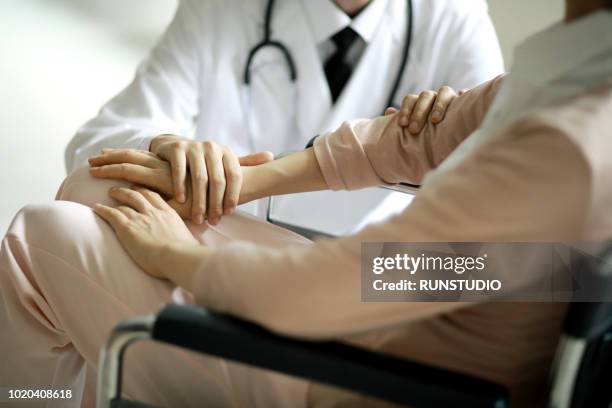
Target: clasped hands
(184, 179)
(203, 180)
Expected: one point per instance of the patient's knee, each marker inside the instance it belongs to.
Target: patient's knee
(58, 226)
(81, 187)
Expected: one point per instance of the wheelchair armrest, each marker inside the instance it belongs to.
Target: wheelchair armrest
(333, 363)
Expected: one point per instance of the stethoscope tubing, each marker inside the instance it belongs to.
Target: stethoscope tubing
(290, 62)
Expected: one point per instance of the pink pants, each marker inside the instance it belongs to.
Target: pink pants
(65, 282)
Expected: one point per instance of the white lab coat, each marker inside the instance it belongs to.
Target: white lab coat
(191, 84)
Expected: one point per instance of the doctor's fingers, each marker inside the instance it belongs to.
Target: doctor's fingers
(199, 181)
(156, 179)
(405, 111)
(446, 95)
(390, 111)
(178, 163)
(416, 110)
(182, 209)
(214, 155)
(233, 179)
(421, 111)
(133, 156)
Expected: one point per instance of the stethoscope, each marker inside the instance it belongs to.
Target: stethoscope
(267, 41)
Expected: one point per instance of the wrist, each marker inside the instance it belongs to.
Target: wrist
(248, 191)
(296, 173)
(185, 260)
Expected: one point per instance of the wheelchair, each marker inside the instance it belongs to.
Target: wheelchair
(581, 375)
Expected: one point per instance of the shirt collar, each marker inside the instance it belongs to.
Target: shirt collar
(366, 23)
(563, 48)
(326, 19)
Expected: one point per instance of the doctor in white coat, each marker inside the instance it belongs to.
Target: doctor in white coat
(192, 85)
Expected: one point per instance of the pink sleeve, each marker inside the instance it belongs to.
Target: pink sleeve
(536, 185)
(368, 152)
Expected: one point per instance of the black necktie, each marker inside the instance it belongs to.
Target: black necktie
(337, 70)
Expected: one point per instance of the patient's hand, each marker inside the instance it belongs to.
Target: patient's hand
(146, 227)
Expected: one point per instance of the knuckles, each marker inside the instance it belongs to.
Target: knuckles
(211, 148)
(439, 106)
(177, 146)
(124, 167)
(208, 144)
(408, 98)
(427, 94)
(407, 103)
(234, 175)
(218, 184)
(200, 177)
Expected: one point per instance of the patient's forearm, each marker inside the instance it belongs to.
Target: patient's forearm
(295, 173)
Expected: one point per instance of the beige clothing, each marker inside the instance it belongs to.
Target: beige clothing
(540, 179)
(65, 282)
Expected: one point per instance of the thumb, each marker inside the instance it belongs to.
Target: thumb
(256, 158)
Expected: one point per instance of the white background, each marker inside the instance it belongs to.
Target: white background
(60, 60)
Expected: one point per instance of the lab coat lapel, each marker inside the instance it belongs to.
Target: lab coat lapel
(314, 112)
(365, 95)
(313, 96)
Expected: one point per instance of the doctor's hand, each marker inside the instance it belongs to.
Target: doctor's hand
(147, 169)
(214, 173)
(417, 109)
